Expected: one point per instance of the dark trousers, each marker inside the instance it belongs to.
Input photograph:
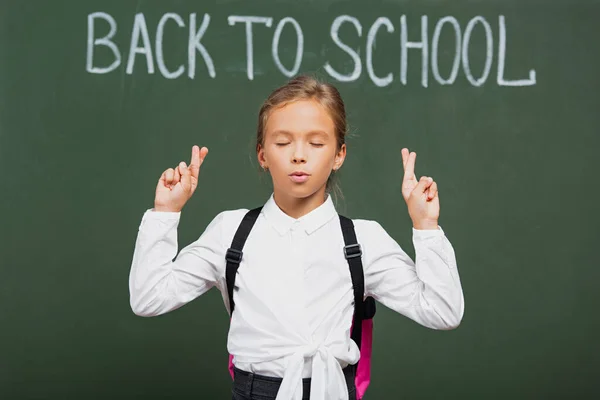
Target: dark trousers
(249, 386)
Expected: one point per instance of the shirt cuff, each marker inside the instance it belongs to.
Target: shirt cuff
(427, 233)
(150, 213)
(159, 216)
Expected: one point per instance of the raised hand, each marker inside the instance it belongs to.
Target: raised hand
(176, 185)
(421, 195)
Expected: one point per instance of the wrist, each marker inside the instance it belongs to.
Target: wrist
(165, 209)
(425, 225)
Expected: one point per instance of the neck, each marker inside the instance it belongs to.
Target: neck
(296, 207)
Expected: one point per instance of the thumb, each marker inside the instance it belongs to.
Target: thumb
(423, 184)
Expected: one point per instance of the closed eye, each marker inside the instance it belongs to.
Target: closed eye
(281, 144)
(317, 144)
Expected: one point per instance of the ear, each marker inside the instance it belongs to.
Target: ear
(260, 154)
(339, 158)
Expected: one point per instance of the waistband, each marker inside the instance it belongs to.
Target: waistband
(248, 383)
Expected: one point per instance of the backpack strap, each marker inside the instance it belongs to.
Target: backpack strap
(234, 253)
(363, 308)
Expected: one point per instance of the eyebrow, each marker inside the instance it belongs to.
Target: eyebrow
(281, 132)
(311, 133)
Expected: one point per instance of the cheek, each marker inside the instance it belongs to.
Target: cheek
(276, 158)
(329, 159)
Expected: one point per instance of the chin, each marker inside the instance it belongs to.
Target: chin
(302, 192)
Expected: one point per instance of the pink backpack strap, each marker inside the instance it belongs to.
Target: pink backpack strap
(231, 365)
(363, 369)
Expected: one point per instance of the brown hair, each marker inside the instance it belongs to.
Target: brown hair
(304, 87)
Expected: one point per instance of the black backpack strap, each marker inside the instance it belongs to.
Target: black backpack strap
(234, 253)
(363, 309)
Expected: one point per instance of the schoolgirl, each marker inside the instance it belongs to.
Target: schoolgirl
(296, 276)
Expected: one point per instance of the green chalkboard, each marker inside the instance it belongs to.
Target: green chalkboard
(499, 99)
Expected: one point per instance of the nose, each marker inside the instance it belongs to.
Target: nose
(298, 160)
(299, 155)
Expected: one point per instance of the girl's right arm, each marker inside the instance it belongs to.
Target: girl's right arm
(159, 283)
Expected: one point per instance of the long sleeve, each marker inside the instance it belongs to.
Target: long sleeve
(427, 291)
(159, 283)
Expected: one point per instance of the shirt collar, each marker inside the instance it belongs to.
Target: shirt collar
(309, 222)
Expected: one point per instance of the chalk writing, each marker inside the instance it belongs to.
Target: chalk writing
(143, 50)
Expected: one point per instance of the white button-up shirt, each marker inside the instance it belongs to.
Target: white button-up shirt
(293, 292)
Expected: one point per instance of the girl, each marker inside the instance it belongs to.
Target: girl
(293, 296)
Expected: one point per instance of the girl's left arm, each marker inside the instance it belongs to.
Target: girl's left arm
(427, 291)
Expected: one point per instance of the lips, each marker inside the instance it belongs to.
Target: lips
(299, 176)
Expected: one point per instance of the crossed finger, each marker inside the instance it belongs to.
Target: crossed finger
(408, 161)
(198, 156)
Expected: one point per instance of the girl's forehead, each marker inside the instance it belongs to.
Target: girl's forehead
(300, 116)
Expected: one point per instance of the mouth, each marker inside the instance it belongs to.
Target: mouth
(299, 176)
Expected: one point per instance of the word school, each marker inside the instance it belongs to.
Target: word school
(141, 46)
